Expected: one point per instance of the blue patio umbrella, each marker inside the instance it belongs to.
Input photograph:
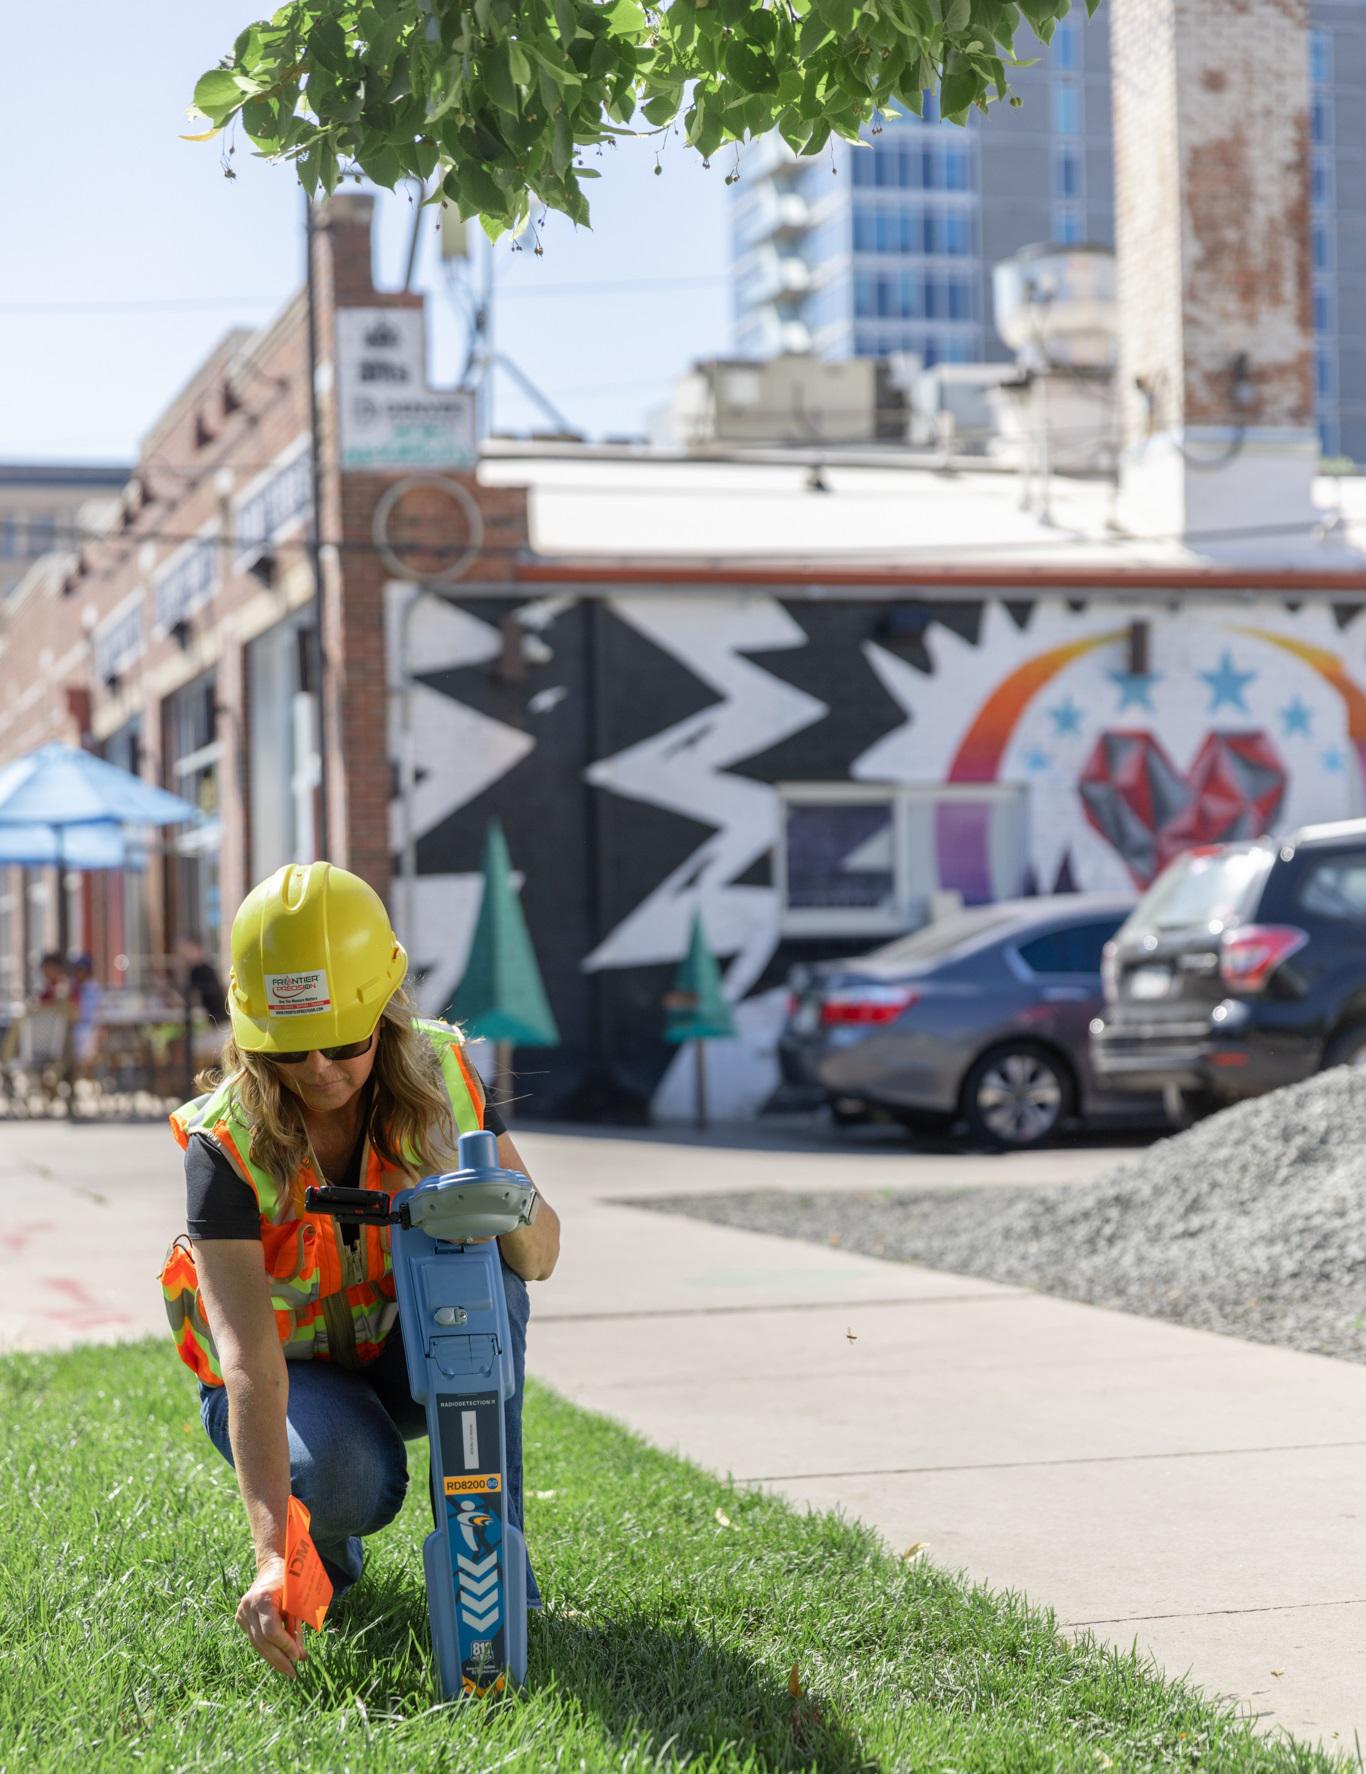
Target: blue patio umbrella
(61, 786)
(82, 847)
(64, 804)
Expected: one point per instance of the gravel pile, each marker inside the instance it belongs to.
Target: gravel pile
(1252, 1223)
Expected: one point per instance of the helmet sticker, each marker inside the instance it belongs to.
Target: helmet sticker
(297, 994)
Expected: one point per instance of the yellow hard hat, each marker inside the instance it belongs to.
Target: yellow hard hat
(314, 961)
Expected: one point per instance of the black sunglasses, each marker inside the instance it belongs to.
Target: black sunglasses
(350, 1050)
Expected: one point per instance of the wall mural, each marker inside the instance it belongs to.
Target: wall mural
(1246, 718)
(688, 768)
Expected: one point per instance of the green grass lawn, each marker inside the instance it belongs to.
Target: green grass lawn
(667, 1640)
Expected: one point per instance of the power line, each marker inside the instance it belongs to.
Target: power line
(151, 305)
(618, 287)
(971, 551)
(63, 306)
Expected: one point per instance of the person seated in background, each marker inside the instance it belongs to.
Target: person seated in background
(51, 979)
(200, 981)
(85, 999)
(38, 1037)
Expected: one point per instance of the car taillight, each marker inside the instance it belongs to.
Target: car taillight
(1109, 970)
(1251, 954)
(865, 1005)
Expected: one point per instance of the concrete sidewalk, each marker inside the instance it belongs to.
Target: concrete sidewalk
(1200, 1495)
(1192, 1492)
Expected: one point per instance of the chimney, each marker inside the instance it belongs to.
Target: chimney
(1212, 112)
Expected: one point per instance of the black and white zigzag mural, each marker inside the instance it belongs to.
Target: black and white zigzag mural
(816, 774)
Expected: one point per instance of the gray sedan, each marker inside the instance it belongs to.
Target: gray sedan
(979, 1018)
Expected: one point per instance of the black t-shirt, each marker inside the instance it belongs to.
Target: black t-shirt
(206, 986)
(218, 1204)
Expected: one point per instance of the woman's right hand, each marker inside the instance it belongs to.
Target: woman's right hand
(259, 1616)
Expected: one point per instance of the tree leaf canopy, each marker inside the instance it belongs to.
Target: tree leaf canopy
(500, 98)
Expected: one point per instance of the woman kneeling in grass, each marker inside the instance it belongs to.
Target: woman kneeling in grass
(289, 1319)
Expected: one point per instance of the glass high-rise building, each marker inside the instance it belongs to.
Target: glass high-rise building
(889, 248)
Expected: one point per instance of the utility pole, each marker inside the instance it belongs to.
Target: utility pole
(318, 648)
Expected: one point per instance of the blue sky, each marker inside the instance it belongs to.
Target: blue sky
(128, 254)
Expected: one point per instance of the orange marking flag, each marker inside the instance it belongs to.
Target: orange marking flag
(308, 1588)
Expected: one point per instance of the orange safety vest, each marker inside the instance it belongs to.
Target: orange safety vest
(333, 1302)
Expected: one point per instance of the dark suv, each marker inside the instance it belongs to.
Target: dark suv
(1243, 967)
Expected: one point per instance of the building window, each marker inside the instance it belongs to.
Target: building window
(187, 583)
(1321, 241)
(1064, 53)
(1325, 374)
(1321, 179)
(191, 751)
(1068, 174)
(957, 167)
(1323, 310)
(1322, 122)
(9, 538)
(1069, 225)
(118, 643)
(127, 920)
(839, 856)
(955, 226)
(281, 500)
(284, 762)
(42, 535)
(855, 857)
(1066, 109)
(1320, 57)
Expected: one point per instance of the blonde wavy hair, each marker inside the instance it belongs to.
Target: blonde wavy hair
(409, 1122)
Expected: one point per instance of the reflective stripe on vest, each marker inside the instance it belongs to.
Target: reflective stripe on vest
(321, 1311)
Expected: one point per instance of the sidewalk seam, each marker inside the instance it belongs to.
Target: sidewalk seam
(1351, 1601)
(788, 1306)
(1293, 1447)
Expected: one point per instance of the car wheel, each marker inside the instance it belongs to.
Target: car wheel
(1016, 1097)
(1347, 1048)
(848, 1111)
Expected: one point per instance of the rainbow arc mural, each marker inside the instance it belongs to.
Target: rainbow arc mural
(1235, 728)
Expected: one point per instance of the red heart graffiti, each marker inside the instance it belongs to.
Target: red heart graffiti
(1140, 803)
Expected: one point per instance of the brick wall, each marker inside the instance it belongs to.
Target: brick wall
(1211, 146)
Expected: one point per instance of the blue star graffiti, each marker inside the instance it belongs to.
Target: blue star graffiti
(1135, 687)
(1227, 684)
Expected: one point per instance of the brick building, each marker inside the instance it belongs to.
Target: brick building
(197, 635)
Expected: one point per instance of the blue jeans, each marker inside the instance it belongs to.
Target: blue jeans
(347, 1427)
